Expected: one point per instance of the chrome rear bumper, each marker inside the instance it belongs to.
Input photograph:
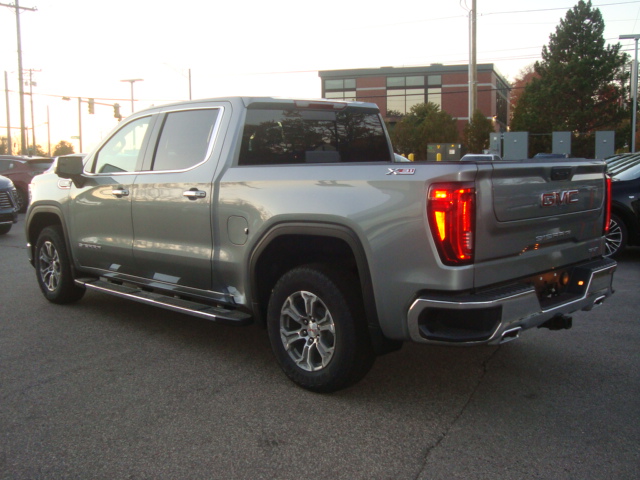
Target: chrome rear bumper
(500, 314)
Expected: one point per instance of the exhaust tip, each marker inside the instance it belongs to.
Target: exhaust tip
(511, 334)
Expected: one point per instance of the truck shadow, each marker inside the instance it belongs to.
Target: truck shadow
(415, 373)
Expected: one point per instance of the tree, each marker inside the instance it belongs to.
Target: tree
(525, 76)
(581, 82)
(424, 124)
(477, 132)
(36, 151)
(63, 148)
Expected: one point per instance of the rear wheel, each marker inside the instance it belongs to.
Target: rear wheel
(4, 229)
(616, 238)
(317, 329)
(53, 267)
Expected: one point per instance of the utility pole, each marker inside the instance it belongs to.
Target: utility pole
(634, 89)
(6, 97)
(33, 123)
(17, 8)
(48, 133)
(473, 71)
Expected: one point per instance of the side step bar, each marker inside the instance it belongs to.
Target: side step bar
(201, 310)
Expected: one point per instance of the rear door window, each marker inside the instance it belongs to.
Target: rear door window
(278, 136)
(185, 138)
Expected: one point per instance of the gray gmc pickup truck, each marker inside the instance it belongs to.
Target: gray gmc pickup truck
(293, 214)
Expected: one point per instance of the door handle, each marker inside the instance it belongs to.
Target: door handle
(120, 192)
(194, 194)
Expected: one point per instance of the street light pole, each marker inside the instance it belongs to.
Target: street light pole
(66, 99)
(634, 89)
(33, 124)
(473, 67)
(80, 123)
(132, 81)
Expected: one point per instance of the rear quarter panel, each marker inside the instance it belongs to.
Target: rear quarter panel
(386, 212)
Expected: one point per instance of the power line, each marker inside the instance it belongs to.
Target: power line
(556, 8)
(424, 20)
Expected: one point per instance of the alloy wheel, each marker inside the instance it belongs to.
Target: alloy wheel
(50, 269)
(307, 331)
(614, 238)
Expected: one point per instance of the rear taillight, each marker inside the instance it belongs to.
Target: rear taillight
(607, 206)
(451, 209)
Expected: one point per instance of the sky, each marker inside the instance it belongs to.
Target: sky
(85, 48)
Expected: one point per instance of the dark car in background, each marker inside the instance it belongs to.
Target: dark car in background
(8, 205)
(624, 228)
(21, 169)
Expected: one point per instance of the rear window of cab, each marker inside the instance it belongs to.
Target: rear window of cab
(299, 136)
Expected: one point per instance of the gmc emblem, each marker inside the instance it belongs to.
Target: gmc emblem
(552, 199)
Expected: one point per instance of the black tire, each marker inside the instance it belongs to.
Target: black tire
(4, 229)
(318, 330)
(53, 267)
(23, 200)
(616, 238)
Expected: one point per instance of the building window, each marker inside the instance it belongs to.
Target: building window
(502, 101)
(342, 89)
(434, 80)
(434, 91)
(403, 93)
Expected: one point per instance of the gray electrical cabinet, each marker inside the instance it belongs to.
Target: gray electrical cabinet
(605, 144)
(495, 143)
(561, 143)
(453, 151)
(435, 152)
(516, 145)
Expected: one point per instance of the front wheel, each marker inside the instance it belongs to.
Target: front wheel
(4, 229)
(23, 200)
(317, 329)
(53, 268)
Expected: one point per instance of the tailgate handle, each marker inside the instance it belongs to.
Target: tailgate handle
(560, 173)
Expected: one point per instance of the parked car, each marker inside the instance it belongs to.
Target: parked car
(551, 156)
(21, 170)
(624, 228)
(481, 157)
(8, 205)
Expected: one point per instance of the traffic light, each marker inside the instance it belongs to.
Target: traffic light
(116, 111)
(92, 106)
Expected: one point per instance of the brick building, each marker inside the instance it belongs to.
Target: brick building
(396, 89)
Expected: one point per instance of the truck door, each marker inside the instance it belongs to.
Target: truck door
(173, 233)
(100, 210)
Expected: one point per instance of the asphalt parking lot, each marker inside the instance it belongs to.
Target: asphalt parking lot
(108, 389)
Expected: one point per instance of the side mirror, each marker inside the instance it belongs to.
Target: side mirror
(71, 166)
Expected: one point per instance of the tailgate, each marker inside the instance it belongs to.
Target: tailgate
(537, 216)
